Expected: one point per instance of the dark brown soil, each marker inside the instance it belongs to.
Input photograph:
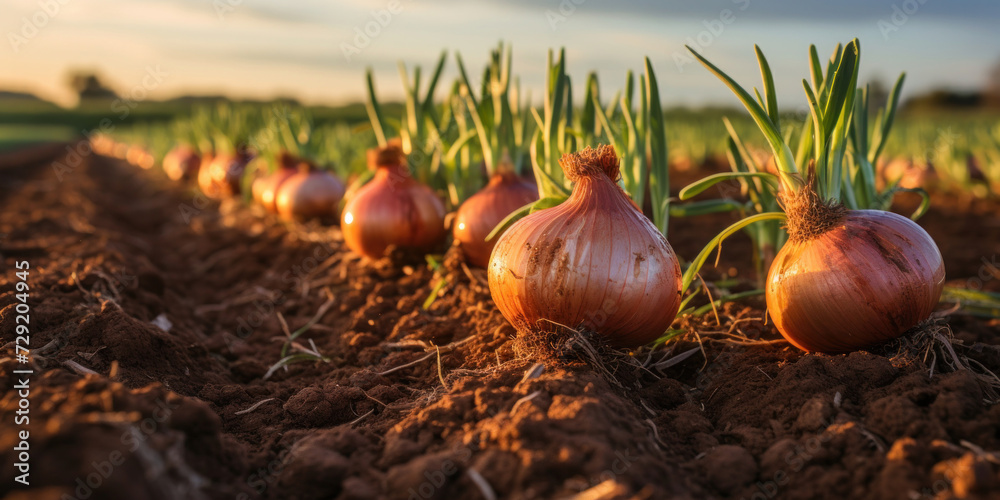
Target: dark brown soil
(173, 303)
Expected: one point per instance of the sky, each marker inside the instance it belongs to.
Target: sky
(317, 50)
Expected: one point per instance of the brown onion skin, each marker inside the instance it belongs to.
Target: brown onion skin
(593, 262)
(264, 188)
(392, 209)
(259, 184)
(181, 163)
(309, 193)
(866, 280)
(479, 215)
(909, 173)
(221, 177)
(139, 157)
(201, 178)
(120, 150)
(269, 185)
(206, 181)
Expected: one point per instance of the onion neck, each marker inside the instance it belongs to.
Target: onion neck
(393, 172)
(243, 151)
(599, 191)
(307, 167)
(286, 160)
(501, 178)
(595, 173)
(809, 216)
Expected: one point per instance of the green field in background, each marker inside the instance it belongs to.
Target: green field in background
(695, 133)
(16, 135)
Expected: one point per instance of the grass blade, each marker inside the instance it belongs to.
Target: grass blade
(890, 114)
(842, 88)
(659, 175)
(769, 92)
(375, 114)
(783, 156)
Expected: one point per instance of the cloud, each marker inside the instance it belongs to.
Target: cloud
(805, 10)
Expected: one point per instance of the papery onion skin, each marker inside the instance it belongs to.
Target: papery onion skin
(120, 150)
(205, 181)
(907, 173)
(593, 262)
(270, 184)
(479, 215)
(866, 280)
(392, 209)
(221, 177)
(309, 193)
(265, 187)
(181, 163)
(138, 156)
(261, 183)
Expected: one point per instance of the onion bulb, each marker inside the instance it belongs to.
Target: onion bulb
(848, 279)
(909, 174)
(181, 163)
(220, 178)
(120, 150)
(594, 261)
(478, 215)
(310, 193)
(392, 209)
(264, 188)
(138, 156)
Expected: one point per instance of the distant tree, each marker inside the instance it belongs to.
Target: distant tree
(878, 93)
(88, 85)
(944, 99)
(991, 93)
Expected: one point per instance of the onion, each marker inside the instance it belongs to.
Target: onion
(181, 163)
(392, 209)
(138, 156)
(594, 261)
(310, 193)
(975, 171)
(206, 182)
(478, 215)
(220, 178)
(849, 279)
(264, 188)
(119, 150)
(908, 172)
